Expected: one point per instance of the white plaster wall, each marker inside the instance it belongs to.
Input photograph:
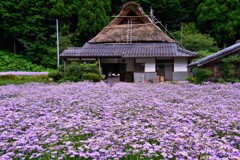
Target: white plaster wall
(130, 64)
(180, 65)
(150, 65)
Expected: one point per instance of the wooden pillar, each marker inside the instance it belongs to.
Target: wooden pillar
(65, 63)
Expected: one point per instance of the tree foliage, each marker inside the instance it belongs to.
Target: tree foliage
(92, 17)
(28, 27)
(193, 40)
(220, 19)
(13, 62)
(230, 68)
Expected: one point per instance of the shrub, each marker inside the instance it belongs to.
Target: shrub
(90, 68)
(73, 72)
(229, 71)
(55, 75)
(191, 79)
(14, 62)
(8, 77)
(91, 77)
(201, 75)
(69, 78)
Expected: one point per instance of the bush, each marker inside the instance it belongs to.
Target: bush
(8, 77)
(201, 75)
(70, 79)
(191, 79)
(90, 68)
(229, 71)
(73, 72)
(14, 62)
(91, 77)
(55, 75)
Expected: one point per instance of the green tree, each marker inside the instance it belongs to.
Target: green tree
(220, 19)
(92, 17)
(25, 21)
(170, 12)
(191, 39)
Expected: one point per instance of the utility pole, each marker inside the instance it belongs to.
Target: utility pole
(181, 34)
(58, 61)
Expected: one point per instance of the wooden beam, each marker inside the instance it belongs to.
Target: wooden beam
(128, 16)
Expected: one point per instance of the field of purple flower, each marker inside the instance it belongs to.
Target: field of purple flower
(125, 121)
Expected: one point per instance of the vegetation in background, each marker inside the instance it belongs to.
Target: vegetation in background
(220, 19)
(73, 72)
(28, 27)
(199, 76)
(202, 54)
(94, 77)
(193, 40)
(76, 72)
(13, 79)
(55, 75)
(13, 62)
(230, 69)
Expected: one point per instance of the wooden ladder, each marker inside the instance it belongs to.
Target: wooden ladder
(129, 32)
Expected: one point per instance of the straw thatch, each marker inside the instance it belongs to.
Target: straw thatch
(143, 28)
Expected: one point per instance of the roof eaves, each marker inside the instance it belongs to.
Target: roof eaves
(216, 55)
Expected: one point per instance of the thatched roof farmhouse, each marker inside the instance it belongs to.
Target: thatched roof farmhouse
(133, 46)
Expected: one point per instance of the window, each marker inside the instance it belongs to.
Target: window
(139, 67)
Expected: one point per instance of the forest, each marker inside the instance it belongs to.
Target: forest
(28, 27)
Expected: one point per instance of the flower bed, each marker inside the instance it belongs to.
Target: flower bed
(128, 121)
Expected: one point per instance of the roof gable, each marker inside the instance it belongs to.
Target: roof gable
(133, 11)
(143, 29)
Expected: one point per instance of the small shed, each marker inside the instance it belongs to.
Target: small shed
(212, 62)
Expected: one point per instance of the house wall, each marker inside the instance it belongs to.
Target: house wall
(180, 65)
(150, 64)
(149, 69)
(109, 60)
(180, 69)
(130, 64)
(146, 76)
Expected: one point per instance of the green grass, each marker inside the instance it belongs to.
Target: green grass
(24, 79)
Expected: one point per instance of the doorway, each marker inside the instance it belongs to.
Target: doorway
(165, 69)
(114, 68)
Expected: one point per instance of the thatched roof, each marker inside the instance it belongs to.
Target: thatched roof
(143, 28)
(220, 54)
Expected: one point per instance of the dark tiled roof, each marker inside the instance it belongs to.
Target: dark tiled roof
(214, 56)
(128, 50)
